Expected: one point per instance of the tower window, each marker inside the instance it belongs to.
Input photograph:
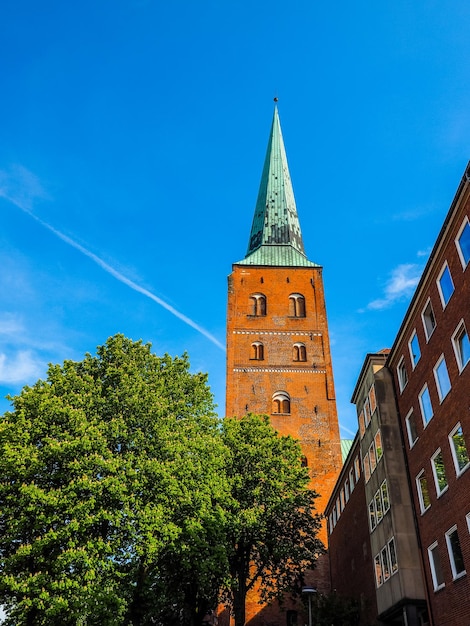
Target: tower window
(300, 352)
(296, 305)
(281, 402)
(257, 351)
(257, 304)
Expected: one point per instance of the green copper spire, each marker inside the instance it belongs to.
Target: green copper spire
(276, 238)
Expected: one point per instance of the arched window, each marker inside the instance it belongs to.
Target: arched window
(257, 304)
(257, 351)
(300, 352)
(303, 460)
(281, 402)
(296, 305)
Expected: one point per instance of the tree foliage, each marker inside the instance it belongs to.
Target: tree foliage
(272, 531)
(111, 467)
(124, 501)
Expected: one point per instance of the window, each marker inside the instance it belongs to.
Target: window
(425, 405)
(304, 461)
(386, 563)
(373, 458)
(445, 285)
(378, 506)
(378, 445)
(296, 305)
(258, 304)
(367, 412)
(411, 428)
(372, 520)
(366, 468)
(341, 498)
(378, 570)
(463, 243)
(459, 450)
(423, 493)
(346, 490)
(385, 497)
(442, 378)
(362, 425)
(461, 346)
(435, 565)
(281, 402)
(351, 480)
(455, 553)
(393, 556)
(429, 321)
(402, 374)
(357, 468)
(439, 472)
(372, 399)
(300, 352)
(257, 351)
(415, 351)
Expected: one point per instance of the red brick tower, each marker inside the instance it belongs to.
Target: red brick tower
(278, 349)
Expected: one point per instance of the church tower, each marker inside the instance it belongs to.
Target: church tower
(278, 349)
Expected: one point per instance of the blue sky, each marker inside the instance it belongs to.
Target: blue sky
(133, 135)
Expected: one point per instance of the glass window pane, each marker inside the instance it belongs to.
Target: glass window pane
(415, 351)
(378, 571)
(446, 286)
(385, 564)
(429, 320)
(372, 519)
(423, 493)
(378, 506)
(455, 553)
(393, 556)
(439, 472)
(426, 406)
(459, 449)
(378, 445)
(411, 429)
(385, 498)
(461, 347)
(464, 244)
(372, 399)
(436, 567)
(442, 379)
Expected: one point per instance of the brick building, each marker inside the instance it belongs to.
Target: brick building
(430, 365)
(414, 442)
(348, 538)
(278, 350)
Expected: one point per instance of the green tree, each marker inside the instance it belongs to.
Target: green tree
(111, 493)
(272, 527)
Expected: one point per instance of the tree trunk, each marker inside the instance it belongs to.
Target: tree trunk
(239, 600)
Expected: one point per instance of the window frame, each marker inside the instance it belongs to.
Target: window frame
(452, 555)
(259, 305)
(282, 400)
(420, 479)
(442, 286)
(429, 320)
(414, 358)
(439, 490)
(464, 227)
(460, 331)
(402, 374)
(425, 392)
(435, 565)
(442, 378)
(458, 470)
(378, 440)
(297, 305)
(411, 414)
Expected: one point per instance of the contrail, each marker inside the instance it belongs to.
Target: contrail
(123, 279)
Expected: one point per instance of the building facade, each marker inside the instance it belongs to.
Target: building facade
(430, 365)
(278, 350)
(413, 411)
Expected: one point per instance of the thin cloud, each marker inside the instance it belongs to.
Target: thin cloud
(22, 367)
(22, 192)
(401, 285)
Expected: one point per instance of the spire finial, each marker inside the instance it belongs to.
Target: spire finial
(276, 99)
